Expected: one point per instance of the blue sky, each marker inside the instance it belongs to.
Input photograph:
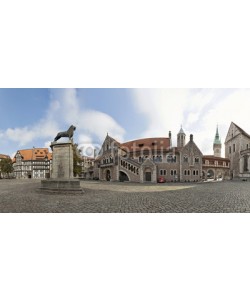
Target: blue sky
(32, 117)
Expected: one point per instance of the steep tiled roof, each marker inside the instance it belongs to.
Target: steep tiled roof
(49, 156)
(4, 156)
(148, 143)
(35, 154)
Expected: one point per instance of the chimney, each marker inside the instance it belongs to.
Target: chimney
(191, 138)
(170, 138)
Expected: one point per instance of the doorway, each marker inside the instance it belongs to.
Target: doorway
(108, 176)
(148, 176)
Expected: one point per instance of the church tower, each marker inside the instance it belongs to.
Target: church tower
(181, 138)
(217, 144)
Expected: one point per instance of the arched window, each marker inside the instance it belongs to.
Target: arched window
(171, 158)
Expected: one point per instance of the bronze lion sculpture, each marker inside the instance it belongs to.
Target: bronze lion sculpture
(69, 133)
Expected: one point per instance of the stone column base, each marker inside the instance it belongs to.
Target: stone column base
(61, 185)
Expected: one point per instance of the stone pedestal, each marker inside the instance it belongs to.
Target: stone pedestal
(61, 185)
(62, 162)
(62, 177)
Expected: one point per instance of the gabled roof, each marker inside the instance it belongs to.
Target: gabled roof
(191, 144)
(34, 154)
(241, 130)
(111, 140)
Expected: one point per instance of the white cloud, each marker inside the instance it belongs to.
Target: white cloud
(64, 110)
(198, 111)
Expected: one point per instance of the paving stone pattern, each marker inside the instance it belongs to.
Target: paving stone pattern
(17, 196)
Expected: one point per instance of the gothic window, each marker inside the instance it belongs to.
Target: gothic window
(185, 172)
(197, 172)
(163, 172)
(230, 149)
(194, 172)
(188, 172)
(233, 147)
(172, 172)
(171, 158)
(245, 163)
(196, 160)
(185, 159)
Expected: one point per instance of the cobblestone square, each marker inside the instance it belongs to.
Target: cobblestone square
(24, 196)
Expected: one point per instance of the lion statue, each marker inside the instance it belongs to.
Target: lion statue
(69, 133)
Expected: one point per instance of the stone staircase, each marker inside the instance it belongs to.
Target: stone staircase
(130, 167)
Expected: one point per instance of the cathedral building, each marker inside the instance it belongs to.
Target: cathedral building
(145, 160)
(237, 149)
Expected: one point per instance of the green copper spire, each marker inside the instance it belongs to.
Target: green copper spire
(217, 140)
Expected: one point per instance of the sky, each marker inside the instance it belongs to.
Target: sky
(33, 117)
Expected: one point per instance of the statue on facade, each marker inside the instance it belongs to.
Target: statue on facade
(69, 133)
